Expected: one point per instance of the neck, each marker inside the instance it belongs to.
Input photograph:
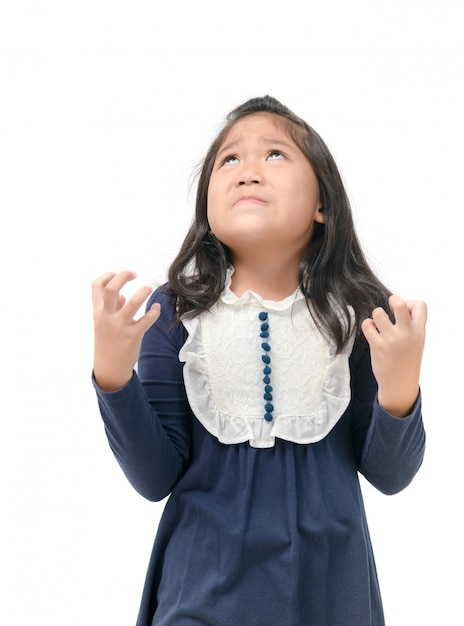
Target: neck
(272, 280)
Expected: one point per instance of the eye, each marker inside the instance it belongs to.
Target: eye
(230, 159)
(275, 154)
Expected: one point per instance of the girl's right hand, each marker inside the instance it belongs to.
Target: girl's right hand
(117, 335)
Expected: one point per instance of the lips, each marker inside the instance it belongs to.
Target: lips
(250, 200)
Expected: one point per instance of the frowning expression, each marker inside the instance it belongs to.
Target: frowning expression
(263, 190)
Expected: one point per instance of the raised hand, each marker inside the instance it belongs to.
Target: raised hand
(117, 335)
(396, 352)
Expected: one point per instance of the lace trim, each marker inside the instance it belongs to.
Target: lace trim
(223, 372)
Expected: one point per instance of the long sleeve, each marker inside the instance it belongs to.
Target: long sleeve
(147, 421)
(389, 449)
(216, 555)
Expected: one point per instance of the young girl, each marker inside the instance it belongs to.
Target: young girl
(278, 368)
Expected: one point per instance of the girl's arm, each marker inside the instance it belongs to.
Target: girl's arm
(389, 449)
(147, 418)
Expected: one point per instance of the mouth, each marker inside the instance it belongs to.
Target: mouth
(250, 200)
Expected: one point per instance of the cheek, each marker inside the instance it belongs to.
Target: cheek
(214, 203)
(310, 194)
(212, 212)
(211, 196)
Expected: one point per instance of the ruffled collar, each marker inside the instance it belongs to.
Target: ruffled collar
(224, 365)
(252, 298)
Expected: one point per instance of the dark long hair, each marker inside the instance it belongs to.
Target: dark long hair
(333, 271)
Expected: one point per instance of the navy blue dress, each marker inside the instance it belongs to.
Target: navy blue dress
(256, 536)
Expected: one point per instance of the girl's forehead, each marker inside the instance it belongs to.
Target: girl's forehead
(256, 123)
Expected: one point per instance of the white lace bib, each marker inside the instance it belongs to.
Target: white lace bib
(224, 380)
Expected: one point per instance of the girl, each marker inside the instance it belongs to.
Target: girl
(278, 368)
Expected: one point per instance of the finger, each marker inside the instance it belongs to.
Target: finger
(121, 301)
(417, 311)
(370, 331)
(108, 282)
(400, 310)
(149, 318)
(381, 320)
(98, 284)
(134, 303)
(111, 289)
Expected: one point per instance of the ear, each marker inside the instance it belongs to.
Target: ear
(319, 216)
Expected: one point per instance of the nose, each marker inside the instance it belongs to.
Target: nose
(250, 174)
(249, 181)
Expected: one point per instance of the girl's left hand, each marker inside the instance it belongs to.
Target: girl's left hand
(396, 352)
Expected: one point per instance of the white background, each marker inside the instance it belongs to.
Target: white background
(105, 110)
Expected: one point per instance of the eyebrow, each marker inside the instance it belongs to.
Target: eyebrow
(264, 140)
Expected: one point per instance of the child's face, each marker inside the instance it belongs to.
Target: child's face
(263, 191)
